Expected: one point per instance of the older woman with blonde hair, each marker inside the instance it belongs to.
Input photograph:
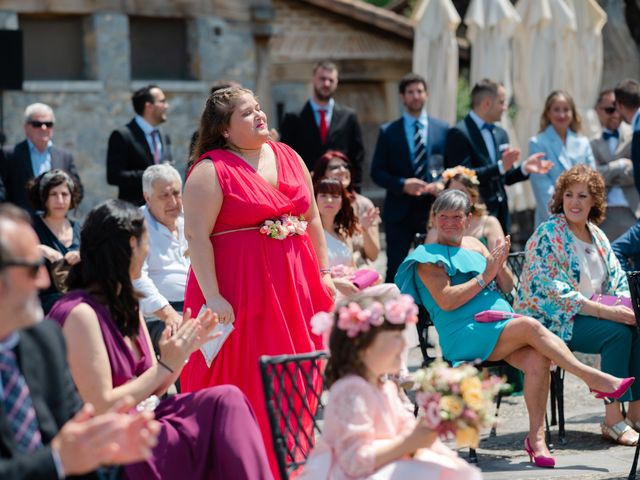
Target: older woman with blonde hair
(574, 284)
(561, 141)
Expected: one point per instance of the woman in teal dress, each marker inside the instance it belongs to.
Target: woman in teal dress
(457, 278)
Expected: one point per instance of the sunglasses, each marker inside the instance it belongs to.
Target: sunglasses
(32, 267)
(38, 124)
(609, 110)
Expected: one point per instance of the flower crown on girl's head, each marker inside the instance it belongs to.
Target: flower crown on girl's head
(354, 319)
(449, 173)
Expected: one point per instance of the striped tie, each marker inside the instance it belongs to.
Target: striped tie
(18, 406)
(420, 151)
(155, 140)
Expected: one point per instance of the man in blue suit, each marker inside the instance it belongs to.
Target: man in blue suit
(477, 143)
(628, 104)
(409, 152)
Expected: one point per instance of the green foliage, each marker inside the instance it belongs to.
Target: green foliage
(378, 3)
(463, 98)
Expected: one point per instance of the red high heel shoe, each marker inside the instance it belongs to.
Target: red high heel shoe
(540, 460)
(618, 392)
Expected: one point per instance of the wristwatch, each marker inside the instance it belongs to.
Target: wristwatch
(480, 281)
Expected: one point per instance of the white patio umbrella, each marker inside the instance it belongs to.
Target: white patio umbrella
(542, 46)
(435, 55)
(587, 69)
(491, 25)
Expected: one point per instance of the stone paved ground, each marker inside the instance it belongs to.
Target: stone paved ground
(585, 455)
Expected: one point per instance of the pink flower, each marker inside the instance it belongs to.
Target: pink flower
(401, 310)
(321, 322)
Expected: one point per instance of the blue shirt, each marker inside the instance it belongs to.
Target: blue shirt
(328, 108)
(410, 129)
(40, 161)
(147, 128)
(488, 138)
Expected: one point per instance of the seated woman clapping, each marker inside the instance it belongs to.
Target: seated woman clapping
(208, 434)
(455, 279)
(366, 238)
(340, 226)
(574, 284)
(367, 432)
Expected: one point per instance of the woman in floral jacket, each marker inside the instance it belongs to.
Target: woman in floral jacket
(569, 268)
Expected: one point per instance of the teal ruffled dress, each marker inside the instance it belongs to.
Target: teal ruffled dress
(462, 339)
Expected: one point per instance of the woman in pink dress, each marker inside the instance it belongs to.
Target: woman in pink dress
(267, 281)
(368, 432)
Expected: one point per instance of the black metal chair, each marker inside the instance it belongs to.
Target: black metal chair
(293, 387)
(634, 289)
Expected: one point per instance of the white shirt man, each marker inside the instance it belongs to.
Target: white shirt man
(164, 273)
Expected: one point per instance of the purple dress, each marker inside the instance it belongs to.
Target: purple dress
(209, 434)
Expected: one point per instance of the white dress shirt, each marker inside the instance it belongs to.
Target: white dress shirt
(164, 273)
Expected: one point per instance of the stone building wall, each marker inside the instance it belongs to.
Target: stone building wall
(221, 45)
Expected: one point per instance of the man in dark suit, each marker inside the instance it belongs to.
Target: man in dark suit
(477, 143)
(138, 144)
(409, 151)
(44, 432)
(627, 94)
(323, 124)
(33, 156)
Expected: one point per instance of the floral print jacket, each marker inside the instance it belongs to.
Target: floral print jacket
(551, 274)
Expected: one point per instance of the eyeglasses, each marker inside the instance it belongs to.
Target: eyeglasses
(32, 267)
(609, 110)
(38, 124)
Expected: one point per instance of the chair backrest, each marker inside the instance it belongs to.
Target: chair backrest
(634, 289)
(293, 387)
(516, 263)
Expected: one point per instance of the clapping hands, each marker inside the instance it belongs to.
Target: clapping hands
(537, 164)
(498, 257)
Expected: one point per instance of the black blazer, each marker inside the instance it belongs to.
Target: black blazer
(392, 164)
(465, 146)
(300, 131)
(16, 170)
(41, 354)
(128, 155)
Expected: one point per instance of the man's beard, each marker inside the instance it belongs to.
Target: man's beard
(321, 96)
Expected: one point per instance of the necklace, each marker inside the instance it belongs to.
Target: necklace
(255, 161)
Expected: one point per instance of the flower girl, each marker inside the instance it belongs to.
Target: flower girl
(367, 433)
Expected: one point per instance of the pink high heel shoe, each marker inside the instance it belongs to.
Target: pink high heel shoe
(540, 460)
(618, 392)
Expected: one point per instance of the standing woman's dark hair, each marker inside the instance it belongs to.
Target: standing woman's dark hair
(345, 222)
(105, 254)
(215, 119)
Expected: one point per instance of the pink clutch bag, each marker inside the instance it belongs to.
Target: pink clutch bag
(612, 300)
(365, 277)
(489, 316)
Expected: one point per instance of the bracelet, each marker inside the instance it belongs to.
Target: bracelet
(324, 270)
(481, 282)
(160, 362)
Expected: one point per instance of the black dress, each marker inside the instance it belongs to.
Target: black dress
(50, 295)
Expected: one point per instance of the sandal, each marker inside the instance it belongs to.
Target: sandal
(634, 425)
(616, 432)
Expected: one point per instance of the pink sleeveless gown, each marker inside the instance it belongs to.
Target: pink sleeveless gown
(274, 286)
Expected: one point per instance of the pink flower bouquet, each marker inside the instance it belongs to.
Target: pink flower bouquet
(456, 402)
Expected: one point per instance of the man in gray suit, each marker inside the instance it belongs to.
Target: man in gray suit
(612, 152)
(33, 156)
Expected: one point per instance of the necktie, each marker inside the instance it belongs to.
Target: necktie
(324, 128)
(608, 135)
(155, 140)
(490, 127)
(419, 151)
(18, 406)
